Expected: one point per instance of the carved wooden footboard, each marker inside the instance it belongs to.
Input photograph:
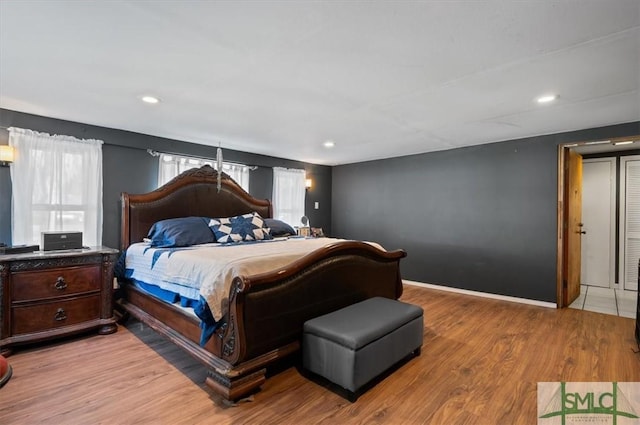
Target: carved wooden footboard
(266, 312)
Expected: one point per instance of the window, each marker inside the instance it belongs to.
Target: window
(288, 195)
(56, 186)
(172, 165)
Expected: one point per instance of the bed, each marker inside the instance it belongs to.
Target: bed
(263, 314)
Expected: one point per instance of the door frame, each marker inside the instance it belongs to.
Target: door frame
(561, 250)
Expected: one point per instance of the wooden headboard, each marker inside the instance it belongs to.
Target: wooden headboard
(192, 193)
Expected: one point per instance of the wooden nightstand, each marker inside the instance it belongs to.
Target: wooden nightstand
(45, 295)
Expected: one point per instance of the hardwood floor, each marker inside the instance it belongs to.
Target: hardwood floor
(480, 364)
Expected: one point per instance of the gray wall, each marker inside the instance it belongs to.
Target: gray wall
(481, 218)
(127, 167)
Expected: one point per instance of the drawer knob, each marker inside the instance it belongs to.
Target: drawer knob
(60, 315)
(60, 284)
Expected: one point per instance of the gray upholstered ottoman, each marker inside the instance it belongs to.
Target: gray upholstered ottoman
(353, 345)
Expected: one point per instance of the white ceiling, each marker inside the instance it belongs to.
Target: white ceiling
(380, 78)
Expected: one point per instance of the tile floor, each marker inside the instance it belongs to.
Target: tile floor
(605, 300)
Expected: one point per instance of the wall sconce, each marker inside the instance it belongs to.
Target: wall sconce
(308, 183)
(6, 155)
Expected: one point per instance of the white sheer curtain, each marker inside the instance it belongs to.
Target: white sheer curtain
(288, 195)
(56, 185)
(239, 173)
(172, 165)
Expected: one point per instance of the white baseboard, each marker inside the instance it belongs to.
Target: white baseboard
(482, 294)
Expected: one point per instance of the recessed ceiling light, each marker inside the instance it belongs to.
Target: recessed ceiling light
(547, 98)
(627, 142)
(150, 99)
(329, 144)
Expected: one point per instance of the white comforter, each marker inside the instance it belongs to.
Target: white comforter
(209, 269)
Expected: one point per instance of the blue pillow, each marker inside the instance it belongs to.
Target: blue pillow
(279, 228)
(183, 231)
(246, 227)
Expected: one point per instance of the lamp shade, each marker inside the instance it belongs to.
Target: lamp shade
(6, 153)
(308, 183)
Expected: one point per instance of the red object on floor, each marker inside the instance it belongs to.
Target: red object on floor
(5, 371)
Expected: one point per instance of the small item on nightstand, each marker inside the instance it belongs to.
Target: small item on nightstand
(58, 241)
(304, 231)
(18, 249)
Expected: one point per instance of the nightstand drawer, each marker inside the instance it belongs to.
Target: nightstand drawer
(41, 317)
(35, 285)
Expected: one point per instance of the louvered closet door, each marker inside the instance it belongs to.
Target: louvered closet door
(630, 231)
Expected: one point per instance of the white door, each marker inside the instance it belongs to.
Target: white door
(629, 221)
(598, 212)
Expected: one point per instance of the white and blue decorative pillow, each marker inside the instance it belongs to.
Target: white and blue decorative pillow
(241, 228)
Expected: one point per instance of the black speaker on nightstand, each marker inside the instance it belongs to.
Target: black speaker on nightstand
(57, 241)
